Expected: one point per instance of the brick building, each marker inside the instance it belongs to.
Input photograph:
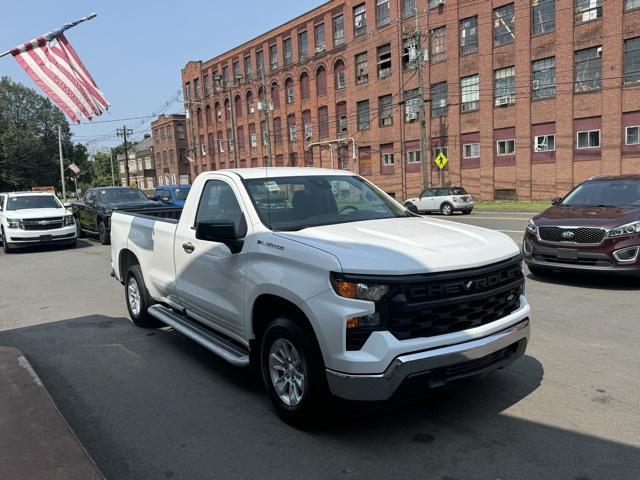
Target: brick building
(526, 98)
(142, 169)
(170, 145)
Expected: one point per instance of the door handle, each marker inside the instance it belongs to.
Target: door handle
(188, 247)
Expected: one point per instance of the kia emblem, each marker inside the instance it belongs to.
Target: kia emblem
(568, 235)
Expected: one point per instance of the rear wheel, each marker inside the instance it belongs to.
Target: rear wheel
(293, 371)
(446, 209)
(138, 299)
(103, 235)
(466, 212)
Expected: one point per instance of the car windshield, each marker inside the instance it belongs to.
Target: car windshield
(122, 195)
(294, 203)
(459, 191)
(604, 193)
(32, 201)
(181, 193)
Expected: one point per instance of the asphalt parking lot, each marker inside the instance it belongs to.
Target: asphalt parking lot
(149, 404)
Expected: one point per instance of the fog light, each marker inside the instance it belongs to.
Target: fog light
(527, 247)
(372, 320)
(627, 255)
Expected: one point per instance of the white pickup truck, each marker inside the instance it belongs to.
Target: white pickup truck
(325, 283)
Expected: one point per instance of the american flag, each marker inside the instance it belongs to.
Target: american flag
(53, 64)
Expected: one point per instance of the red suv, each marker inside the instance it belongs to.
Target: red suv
(595, 227)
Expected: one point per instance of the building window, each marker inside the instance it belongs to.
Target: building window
(240, 137)
(323, 122)
(588, 68)
(413, 156)
(260, 62)
(506, 147)
(364, 121)
(275, 95)
(385, 110)
(468, 35)
(225, 76)
(303, 46)
(308, 126)
(438, 45)
(503, 25)
(439, 99)
(632, 135)
(362, 68)
(384, 61)
(250, 105)
(505, 86)
(253, 139)
(544, 143)
(412, 105)
(291, 121)
(305, 91)
(180, 132)
(237, 74)
(409, 54)
(408, 8)
(318, 38)
(471, 150)
(470, 93)
(544, 77)
(631, 4)
(359, 20)
(277, 131)
(340, 76)
(631, 62)
(288, 85)
(338, 30)
(248, 70)
(196, 88)
(321, 81)
(288, 52)
(342, 123)
(207, 85)
(383, 17)
(387, 155)
(587, 10)
(543, 16)
(273, 56)
(588, 139)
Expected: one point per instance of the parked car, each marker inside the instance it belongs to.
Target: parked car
(93, 214)
(444, 200)
(321, 291)
(594, 228)
(173, 195)
(34, 218)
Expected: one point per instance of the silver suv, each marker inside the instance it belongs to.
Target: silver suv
(444, 200)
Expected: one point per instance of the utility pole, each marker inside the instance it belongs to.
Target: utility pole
(113, 178)
(266, 107)
(64, 188)
(123, 132)
(425, 157)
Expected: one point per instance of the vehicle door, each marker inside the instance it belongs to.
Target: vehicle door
(88, 211)
(427, 200)
(209, 277)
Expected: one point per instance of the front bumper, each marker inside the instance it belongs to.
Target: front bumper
(36, 237)
(438, 366)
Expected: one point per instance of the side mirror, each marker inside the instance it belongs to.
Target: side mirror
(166, 200)
(223, 231)
(67, 205)
(90, 202)
(556, 201)
(411, 207)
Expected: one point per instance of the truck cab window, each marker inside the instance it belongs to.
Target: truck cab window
(218, 202)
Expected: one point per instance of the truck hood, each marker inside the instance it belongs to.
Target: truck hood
(605, 217)
(36, 213)
(401, 246)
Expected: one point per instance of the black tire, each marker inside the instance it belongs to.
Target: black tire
(466, 212)
(79, 229)
(140, 315)
(446, 209)
(103, 235)
(72, 244)
(539, 271)
(5, 244)
(315, 391)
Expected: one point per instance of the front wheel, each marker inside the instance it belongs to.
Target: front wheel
(103, 235)
(138, 299)
(79, 231)
(446, 209)
(5, 244)
(292, 371)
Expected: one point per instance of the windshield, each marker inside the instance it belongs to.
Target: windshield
(32, 201)
(614, 193)
(459, 191)
(122, 195)
(181, 193)
(294, 203)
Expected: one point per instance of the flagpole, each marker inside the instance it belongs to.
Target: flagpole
(52, 34)
(64, 188)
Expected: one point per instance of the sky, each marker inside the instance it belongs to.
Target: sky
(135, 49)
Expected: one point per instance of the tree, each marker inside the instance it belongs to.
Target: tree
(29, 140)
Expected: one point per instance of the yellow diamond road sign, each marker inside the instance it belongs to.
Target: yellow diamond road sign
(441, 160)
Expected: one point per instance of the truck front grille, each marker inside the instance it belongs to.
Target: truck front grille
(42, 223)
(582, 235)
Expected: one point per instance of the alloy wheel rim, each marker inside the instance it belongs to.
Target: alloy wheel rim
(133, 293)
(287, 372)
(446, 209)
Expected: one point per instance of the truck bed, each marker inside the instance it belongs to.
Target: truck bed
(162, 214)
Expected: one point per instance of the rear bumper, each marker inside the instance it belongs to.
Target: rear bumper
(463, 206)
(438, 366)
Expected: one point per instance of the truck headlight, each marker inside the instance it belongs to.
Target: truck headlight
(14, 223)
(532, 227)
(69, 220)
(359, 290)
(628, 229)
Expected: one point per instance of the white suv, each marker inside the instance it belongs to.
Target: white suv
(34, 218)
(444, 200)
